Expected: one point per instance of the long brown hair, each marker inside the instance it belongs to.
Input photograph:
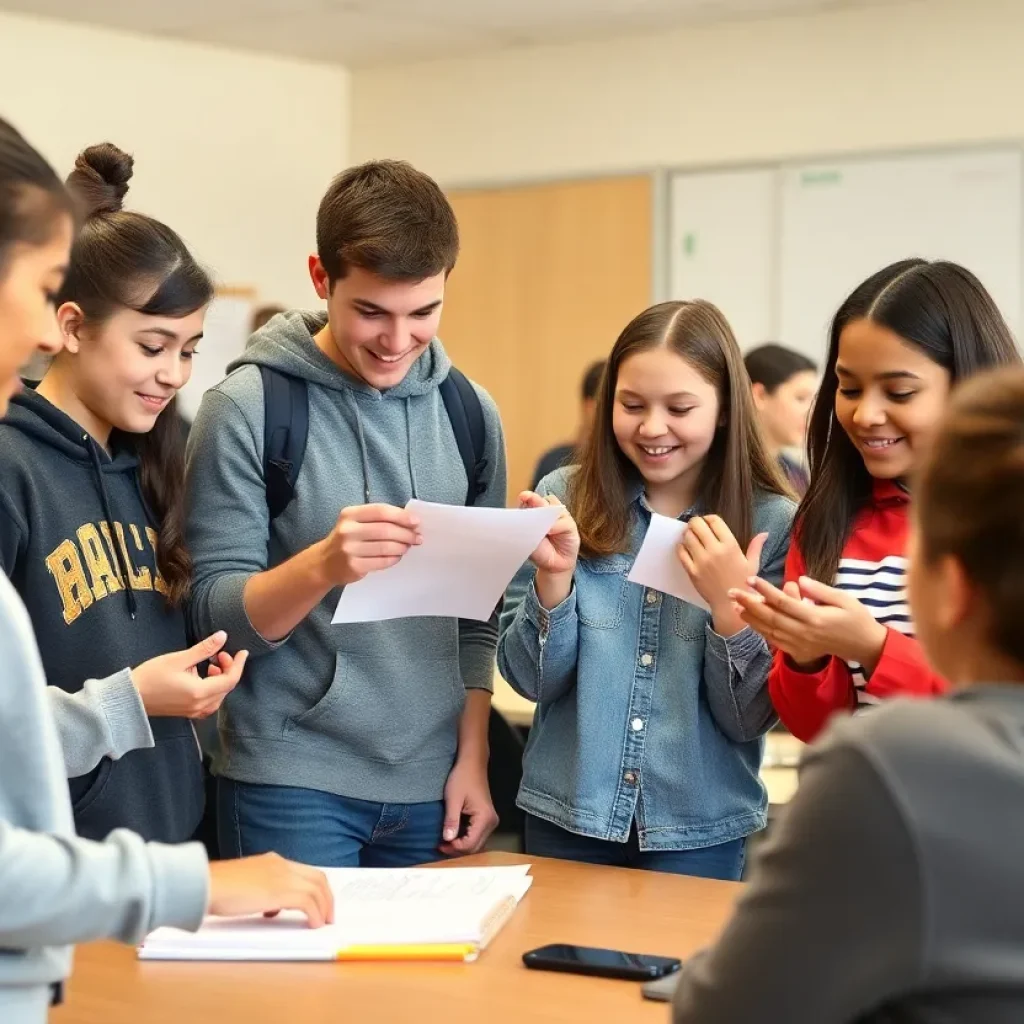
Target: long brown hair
(737, 463)
(941, 309)
(970, 498)
(122, 259)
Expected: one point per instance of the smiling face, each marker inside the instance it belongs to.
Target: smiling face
(124, 371)
(378, 328)
(890, 399)
(664, 418)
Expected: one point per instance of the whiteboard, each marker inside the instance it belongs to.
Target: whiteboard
(843, 221)
(723, 239)
(225, 333)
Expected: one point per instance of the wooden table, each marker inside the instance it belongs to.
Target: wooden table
(638, 911)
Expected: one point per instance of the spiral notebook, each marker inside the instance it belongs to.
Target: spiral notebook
(449, 914)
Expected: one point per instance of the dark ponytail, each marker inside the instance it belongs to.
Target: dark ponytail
(127, 260)
(32, 197)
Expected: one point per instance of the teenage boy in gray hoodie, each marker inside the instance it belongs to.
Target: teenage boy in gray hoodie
(351, 744)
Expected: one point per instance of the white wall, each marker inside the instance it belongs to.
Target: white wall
(232, 150)
(919, 73)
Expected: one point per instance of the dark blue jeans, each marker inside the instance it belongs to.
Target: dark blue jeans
(725, 861)
(325, 830)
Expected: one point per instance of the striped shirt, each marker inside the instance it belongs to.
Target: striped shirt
(873, 569)
(881, 587)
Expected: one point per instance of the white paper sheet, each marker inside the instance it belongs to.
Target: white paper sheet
(373, 907)
(467, 559)
(657, 565)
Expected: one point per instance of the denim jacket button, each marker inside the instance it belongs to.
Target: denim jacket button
(646, 660)
(630, 778)
(637, 724)
(652, 597)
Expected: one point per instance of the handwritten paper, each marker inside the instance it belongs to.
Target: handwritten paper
(657, 565)
(466, 561)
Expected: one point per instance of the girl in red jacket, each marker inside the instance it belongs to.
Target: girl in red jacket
(840, 625)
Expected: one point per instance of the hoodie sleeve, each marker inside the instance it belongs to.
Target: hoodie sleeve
(106, 718)
(903, 670)
(228, 521)
(479, 640)
(73, 890)
(12, 533)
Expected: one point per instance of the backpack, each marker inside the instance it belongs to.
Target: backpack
(286, 427)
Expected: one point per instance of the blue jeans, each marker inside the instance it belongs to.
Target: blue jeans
(325, 830)
(725, 861)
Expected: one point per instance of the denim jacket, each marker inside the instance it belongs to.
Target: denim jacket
(645, 713)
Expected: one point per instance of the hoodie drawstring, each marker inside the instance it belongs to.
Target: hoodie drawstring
(120, 555)
(408, 445)
(364, 459)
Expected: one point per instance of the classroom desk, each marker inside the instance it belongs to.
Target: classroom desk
(638, 911)
(782, 751)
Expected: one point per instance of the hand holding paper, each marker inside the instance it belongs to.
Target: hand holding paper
(368, 538)
(467, 558)
(716, 564)
(658, 565)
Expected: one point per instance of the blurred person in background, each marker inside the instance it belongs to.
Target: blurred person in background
(783, 383)
(565, 454)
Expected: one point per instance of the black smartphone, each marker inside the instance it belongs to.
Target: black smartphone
(602, 963)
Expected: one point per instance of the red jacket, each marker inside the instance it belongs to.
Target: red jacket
(873, 568)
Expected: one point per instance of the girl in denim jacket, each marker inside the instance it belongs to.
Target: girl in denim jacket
(647, 743)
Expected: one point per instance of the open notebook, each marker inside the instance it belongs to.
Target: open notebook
(380, 914)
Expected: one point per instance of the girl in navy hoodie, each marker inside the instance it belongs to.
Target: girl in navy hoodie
(840, 626)
(69, 889)
(91, 518)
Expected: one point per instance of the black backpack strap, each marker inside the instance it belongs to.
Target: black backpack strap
(285, 429)
(462, 404)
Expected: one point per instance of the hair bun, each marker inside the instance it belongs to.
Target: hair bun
(100, 178)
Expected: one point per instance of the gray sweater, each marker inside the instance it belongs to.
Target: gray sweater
(893, 888)
(106, 718)
(368, 711)
(56, 889)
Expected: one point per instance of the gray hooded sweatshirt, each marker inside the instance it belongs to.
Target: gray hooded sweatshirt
(365, 711)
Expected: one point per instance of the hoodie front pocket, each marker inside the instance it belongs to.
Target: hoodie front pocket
(386, 709)
(83, 799)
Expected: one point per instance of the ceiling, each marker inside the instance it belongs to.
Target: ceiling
(359, 33)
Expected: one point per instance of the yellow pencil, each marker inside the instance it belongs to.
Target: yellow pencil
(440, 952)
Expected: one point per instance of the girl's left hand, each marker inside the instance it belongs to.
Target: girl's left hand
(716, 564)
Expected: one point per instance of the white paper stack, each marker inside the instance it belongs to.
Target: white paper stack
(380, 914)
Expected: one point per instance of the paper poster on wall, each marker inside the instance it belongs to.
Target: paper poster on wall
(225, 333)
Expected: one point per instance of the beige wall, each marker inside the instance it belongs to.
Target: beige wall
(232, 150)
(885, 76)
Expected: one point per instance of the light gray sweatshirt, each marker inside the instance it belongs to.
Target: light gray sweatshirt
(368, 711)
(106, 718)
(57, 889)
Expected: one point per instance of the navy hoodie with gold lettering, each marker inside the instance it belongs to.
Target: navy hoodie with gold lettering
(78, 542)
